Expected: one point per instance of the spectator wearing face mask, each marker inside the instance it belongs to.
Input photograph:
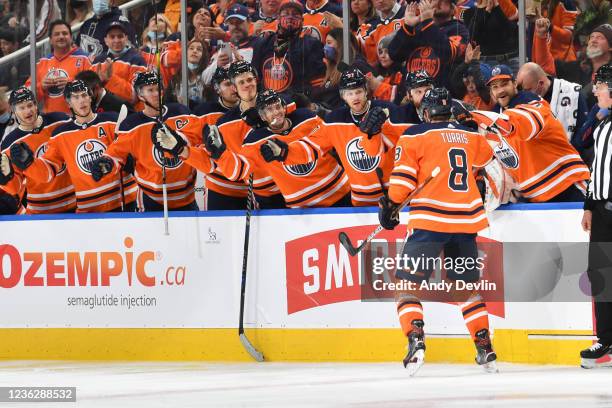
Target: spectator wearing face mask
(197, 60)
(388, 74)
(118, 66)
(286, 61)
(154, 35)
(93, 31)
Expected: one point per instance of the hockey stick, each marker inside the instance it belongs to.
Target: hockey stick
(346, 241)
(247, 230)
(122, 115)
(161, 121)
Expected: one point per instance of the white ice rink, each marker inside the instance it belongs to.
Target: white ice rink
(378, 385)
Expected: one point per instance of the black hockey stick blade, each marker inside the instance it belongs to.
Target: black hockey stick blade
(257, 356)
(346, 243)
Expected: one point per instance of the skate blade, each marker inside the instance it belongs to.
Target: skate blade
(589, 363)
(490, 367)
(416, 362)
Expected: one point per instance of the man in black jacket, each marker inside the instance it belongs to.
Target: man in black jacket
(103, 100)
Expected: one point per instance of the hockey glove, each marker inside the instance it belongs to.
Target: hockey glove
(252, 118)
(130, 164)
(372, 122)
(388, 214)
(6, 170)
(274, 149)
(101, 167)
(463, 115)
(213, 141)
(21, 155)
(168, 140)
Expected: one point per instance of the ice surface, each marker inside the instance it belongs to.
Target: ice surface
(379, 385)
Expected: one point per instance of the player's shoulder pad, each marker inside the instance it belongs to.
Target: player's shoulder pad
(229, 116)
(106, 117)
(176, 109)
(133, 120)
(53, 117)
(207, 107)
(426, 127)
(255, 135)
(64, 127)
(339, 115)
(300, 115)
(11, 138)
(523, 97)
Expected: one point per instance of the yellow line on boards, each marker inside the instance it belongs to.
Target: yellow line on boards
(347, 345)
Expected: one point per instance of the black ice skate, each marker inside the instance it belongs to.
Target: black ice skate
(416, 347)
(589, 355)
(485, 355)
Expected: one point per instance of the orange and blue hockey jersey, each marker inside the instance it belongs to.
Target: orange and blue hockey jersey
(371, 34)
(134, 137)
(125, 67)
(76, 146)
(315, 22)
(56, 196)
(537, 154)
(320, 182)
(451, 201)
(52, 99)
(342, 134)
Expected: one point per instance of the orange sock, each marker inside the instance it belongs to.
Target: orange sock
(407, 311)
(475, 315)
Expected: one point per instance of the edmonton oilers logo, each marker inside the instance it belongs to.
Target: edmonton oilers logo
(358, 158)
(300, 170)
(171, 162)
(56, 90)
(87, 152)
(506, 154)
(41, 150)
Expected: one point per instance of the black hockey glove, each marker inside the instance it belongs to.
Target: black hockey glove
(388, 214)
(21, 155)
(130, 164)
(252, 118)
(213, 141)
(101, 167)
(463, 115)
(6, 170)
(274, 149)
(372, 122)
(167, 140)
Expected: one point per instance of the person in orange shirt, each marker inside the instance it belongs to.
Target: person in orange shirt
(74, 146)
(35, 130)
(54, 71)
(117, 68)
(445, 215)
(562, 15)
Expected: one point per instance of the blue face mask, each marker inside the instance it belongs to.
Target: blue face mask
(330, 52)
(127, 47)
(151, 35)
(5, 117)
(100, 7)
(192, 66)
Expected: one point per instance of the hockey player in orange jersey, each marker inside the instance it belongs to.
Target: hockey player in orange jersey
(75, 145)
(342, 132)
(137, 136)
(35, 130)
(320, 182)
(534, 149)
(445, 215)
